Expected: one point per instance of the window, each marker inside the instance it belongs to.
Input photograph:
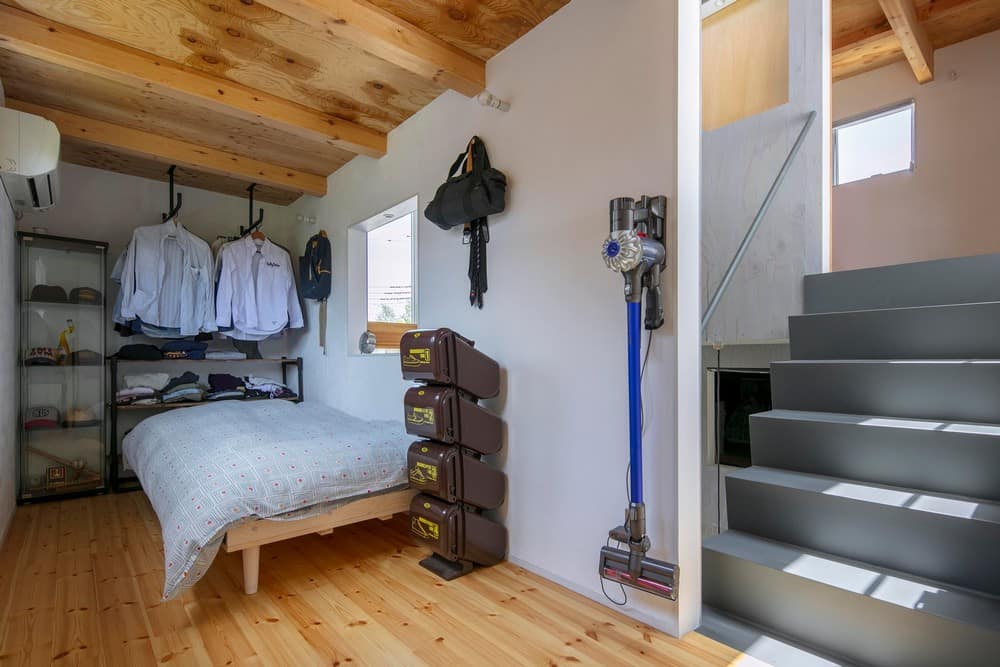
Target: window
(385, 246)
(876, 143)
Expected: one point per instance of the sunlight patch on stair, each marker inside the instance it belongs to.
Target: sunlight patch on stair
(883, 587)
(870, 494)
(874, 494)
(832, 573)
(926, 425)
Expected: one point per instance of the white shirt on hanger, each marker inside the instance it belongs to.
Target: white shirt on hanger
(256, 292)
(167, 279)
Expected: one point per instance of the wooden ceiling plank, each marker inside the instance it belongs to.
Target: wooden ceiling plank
(108, 159)
(113, 102)
(865, 55)
(173, 151)
(389, 37)
(902, 16)
(52, 42)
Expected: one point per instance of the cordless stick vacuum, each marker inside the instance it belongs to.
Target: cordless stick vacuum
(635, 249)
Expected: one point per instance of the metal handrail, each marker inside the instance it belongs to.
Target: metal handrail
(761, 212)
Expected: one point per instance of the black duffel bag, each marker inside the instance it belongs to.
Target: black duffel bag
(469, 196)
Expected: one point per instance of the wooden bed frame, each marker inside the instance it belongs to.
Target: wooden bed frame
(251, 536)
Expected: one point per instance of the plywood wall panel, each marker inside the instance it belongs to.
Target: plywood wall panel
(744, 61)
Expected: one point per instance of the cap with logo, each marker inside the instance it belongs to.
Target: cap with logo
(41, 417)
(42, 356)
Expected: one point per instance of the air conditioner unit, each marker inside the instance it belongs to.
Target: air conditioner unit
(29, 156)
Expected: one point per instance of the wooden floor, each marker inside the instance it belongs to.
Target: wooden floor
(81, 583)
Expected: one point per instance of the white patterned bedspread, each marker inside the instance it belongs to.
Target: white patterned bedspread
(208, 467)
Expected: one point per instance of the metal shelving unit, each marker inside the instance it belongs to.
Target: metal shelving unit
(122, 483)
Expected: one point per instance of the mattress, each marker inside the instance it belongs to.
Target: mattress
(209, 467)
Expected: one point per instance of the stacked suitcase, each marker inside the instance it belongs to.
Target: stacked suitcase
(456, 486)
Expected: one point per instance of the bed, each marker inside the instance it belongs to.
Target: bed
(245, 474)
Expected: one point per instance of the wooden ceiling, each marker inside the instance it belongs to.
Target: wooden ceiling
(275, 92)
(868, 34)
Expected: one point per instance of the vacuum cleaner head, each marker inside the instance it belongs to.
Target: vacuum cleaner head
(648, 574)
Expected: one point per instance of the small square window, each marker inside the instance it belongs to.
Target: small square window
(876, 143)
(383, 286)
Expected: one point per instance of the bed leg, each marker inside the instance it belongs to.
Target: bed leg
(251, 569)
(387, 517)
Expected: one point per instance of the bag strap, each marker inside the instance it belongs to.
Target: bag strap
(462, 157)
(480, 158)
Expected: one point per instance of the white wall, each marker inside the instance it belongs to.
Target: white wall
(8, 365)
(593, 116)
(739, 163)
(947, 206)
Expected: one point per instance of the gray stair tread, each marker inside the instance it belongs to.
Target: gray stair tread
(915, 500)
(931, 307)
(994, 363)
(972, 428)
(878, 583)
(973, 279)
(959, 330)
(765, 645)
(963, 390)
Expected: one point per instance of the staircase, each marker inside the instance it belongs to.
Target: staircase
(868, 529)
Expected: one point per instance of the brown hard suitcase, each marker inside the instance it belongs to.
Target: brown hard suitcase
(442, 414)
(441, 356)
(456, 533)
(446, 472)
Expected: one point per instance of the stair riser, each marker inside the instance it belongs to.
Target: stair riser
(951, 549)
(945, 332)
(859, 627)
(961, 280)
(941, 461)
(965, 392)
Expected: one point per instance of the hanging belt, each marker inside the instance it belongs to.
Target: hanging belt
(476, 236)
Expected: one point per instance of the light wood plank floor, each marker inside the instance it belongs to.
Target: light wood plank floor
(81, 582)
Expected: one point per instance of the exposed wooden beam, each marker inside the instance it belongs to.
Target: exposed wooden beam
(173, 151)
(59, 44)
(917, 47)
(391, 38)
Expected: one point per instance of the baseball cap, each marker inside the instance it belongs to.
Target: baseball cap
(44, 416)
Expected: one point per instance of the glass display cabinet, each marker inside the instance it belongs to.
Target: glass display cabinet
(62, 290)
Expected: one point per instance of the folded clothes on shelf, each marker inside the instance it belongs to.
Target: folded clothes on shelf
(184, 349)
(261, 387)
(225, 382)
(140, 352)
(151, 380)
(226, 395)
(135, 394)
(185, 378)
(184, 393)
(225, 355)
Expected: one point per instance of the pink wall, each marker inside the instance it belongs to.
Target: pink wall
(950, 205)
